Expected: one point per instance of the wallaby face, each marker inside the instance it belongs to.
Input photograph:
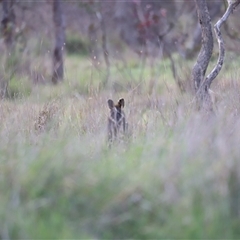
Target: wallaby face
(116, 120)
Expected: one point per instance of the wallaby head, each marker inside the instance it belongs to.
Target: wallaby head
(119, 105)
(116, 118)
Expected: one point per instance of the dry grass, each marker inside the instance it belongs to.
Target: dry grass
(175, 174)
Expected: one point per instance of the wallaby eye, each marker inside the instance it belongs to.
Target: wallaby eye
(110, 103)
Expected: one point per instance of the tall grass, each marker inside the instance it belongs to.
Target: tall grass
(175, 175)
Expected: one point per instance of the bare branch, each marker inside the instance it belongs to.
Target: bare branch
(202, 84)
(217, 26)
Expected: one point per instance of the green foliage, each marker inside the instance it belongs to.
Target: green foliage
(75, 44)
(14, 85)
(72, 187)
(19, 87)
(12, 62)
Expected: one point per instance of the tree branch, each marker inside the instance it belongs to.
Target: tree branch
(202, 94)
(217, 26)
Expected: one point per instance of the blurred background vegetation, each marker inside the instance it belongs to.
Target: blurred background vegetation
(175, 174)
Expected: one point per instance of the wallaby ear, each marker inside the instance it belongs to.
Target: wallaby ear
(121, 103)
(110, 103)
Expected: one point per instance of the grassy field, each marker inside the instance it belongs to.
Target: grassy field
(176, 174)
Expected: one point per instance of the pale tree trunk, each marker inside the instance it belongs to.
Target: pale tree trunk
(215, 10)
(202, 83)
(92, 35)
(58, 68)
(8, 24)
(104, 43)
(200, 67)
(102, 22)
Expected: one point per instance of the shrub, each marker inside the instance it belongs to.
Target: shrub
(76, 45)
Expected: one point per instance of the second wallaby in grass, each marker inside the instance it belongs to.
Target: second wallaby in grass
(116, 120)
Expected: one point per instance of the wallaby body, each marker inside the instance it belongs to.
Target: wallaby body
(116, 120)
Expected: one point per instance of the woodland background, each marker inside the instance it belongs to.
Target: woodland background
(176, 172)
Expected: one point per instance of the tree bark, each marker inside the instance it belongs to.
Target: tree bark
(203, 84)
(217, 26)
(205, 54)
(58, 68)
(215, 10)
(199, 69)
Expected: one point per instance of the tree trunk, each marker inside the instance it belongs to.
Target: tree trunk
(8, 33)
(205, 54)
(102, 22)
(8, 24)
(201, 83)
(215, 10)
(200, 67)
(58, 71)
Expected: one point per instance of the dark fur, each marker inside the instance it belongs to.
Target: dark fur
(116, 119)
